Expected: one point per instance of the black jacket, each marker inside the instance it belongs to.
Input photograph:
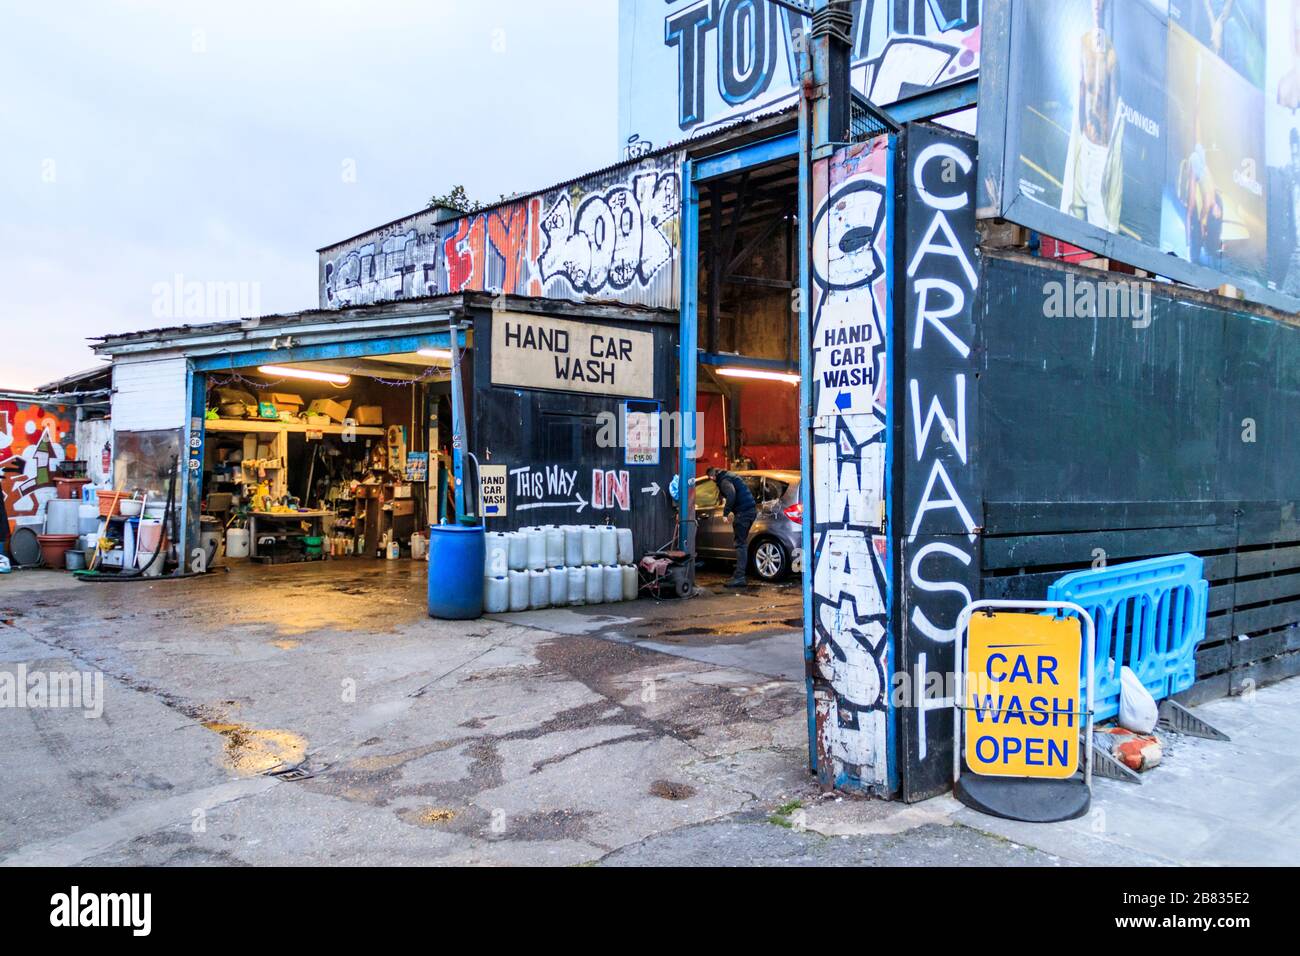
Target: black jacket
(736, 498)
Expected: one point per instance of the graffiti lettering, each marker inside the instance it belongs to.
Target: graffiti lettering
(941, 550)
(849, 577)
(609, 237)
(611, 489)
(615, 238)
(899, 46)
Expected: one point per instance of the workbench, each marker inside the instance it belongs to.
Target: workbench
(255, 518)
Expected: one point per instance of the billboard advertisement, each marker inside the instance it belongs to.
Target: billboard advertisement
(1161, 133)
(687, 67)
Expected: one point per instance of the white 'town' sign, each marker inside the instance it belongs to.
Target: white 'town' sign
(534, 351)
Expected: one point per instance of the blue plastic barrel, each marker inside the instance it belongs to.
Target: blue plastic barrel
(456, 556)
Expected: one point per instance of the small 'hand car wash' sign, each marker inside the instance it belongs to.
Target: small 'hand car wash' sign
(1022, 695)
(492, 491)
(534, 351)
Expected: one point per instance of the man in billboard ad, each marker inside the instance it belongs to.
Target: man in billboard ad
(1232, 30)
(1282, 147)
(1165, 124)
(1091, 125)
(1214, 213)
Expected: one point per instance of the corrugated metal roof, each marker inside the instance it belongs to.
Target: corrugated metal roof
(353, 313)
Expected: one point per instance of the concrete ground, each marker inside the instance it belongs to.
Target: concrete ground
(640, 733)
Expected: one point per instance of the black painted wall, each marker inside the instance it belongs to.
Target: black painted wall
(540, 429)
(1100, 437)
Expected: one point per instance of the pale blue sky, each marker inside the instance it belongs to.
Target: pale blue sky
(146, 138)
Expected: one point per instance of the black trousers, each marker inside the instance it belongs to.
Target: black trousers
(740, 525)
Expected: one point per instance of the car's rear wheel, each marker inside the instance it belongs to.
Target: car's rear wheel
(769, 560)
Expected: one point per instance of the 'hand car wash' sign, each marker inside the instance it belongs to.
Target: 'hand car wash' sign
(533, 351)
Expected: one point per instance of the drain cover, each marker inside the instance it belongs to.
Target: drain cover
(298, 772)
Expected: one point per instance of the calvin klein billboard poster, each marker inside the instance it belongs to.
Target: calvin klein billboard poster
(1171, 125)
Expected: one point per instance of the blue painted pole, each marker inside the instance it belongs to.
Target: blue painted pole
(687, 375)
(457, 423)
(802, 316)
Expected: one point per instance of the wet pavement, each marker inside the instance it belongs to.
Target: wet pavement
(314, 714)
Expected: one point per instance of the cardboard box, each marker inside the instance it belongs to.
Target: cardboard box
(335, 411)
(284, 401)
(369, 415)
(318, 420)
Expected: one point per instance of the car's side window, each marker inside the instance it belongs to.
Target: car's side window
(706, 493)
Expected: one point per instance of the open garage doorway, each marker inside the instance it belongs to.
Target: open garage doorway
(747, 376)
(315, 459)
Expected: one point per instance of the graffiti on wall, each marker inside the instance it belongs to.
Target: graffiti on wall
(556, 488)
(398, 266)
(850, 550)
(941, 506)
(611, 236)
(615, 238)
(686, 66)
(43, 437)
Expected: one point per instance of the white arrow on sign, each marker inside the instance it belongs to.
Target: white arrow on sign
(654, 489)
(579, 504)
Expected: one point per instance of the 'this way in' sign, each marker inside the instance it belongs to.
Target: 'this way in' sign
(1022, 695)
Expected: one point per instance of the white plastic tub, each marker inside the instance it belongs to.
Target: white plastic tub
(608, 545)
(237, 543)
(539, 589)
(518, 590)
(558, 581)
(590, 545)
(625, 549)
(612, 581)
(496, 595)
(595, 586)
(577, 585)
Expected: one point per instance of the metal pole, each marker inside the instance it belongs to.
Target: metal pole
(687, 360)
(457, 422)
(802, 315)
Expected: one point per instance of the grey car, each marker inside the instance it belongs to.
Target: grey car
(777, 531)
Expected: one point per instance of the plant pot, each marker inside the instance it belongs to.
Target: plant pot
(55, 548)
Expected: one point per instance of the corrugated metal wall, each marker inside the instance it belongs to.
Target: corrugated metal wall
(149, 395)
(612, 236)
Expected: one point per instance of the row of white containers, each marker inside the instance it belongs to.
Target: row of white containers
(557, 546)
(556, 565)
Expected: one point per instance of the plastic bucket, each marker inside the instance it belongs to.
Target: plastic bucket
(456, 557)
(150, 535)
(237, 543)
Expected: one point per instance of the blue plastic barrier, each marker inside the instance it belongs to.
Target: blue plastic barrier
(1150, 615)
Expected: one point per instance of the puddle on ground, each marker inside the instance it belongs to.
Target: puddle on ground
(251, 752)
(672, 790)
(730, 629)
(426, 816)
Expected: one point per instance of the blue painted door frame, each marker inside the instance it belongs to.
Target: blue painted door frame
(695, 172)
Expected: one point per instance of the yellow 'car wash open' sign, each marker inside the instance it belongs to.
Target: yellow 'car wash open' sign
(1022, 695)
